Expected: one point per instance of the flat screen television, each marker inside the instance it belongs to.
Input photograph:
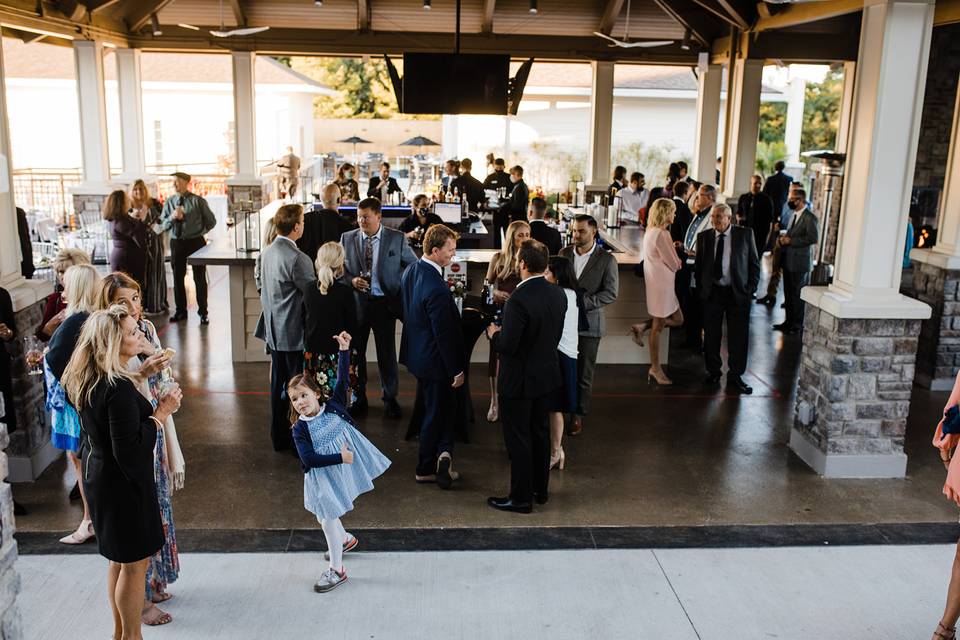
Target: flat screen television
(455, 83)
(451, 213)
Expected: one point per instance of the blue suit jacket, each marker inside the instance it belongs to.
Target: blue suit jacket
(394, 256)
(431, 346)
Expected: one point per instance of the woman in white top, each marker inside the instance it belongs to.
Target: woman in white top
(560, 272)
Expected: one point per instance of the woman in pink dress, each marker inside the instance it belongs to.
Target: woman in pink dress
(947, 444)
(660, 265)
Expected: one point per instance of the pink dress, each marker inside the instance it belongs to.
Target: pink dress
(660, 265)
(951, 487)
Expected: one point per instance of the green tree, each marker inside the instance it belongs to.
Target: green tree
(821, 112)
(652, 160)
(767, 155)
(773, 121)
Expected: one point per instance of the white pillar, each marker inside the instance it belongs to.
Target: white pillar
(946, 253)
(131, 115)
(245, 126)
(708, 123)
(601, 125)
(740, 148)
(846, 107)
(794, 127)
(88, 61)
(10, 276)
(887, 103)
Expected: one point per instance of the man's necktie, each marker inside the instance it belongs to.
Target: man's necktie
(718, 258)
(368, 254)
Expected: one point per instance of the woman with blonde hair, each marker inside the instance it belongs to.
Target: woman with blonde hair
(147, 210)
(330, 308)
(503, 276)
(660, 266)
(151, 371)
(79, 291)
(55, 310)
(120, 429)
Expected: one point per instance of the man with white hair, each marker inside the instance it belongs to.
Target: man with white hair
(727, 270)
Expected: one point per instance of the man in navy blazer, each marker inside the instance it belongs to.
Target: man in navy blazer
(375, 257)
(431, 348)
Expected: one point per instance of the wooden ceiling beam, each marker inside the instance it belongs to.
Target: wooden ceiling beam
(363, 16)
(47, 19)
(610, 14)
(720, 13)
(238, 14)
(739, 17)
(804, 12)
(142, 11)
(96, 6)
(683, 19)
(487, 22)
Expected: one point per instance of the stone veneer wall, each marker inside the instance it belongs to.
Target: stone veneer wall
(33, 424)
(817, 198)
(10, 623)
(855, 380)
(938, 354)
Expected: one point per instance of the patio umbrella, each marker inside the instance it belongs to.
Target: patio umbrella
(419, 142)
(354, 140)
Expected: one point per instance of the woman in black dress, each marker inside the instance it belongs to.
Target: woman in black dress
(147, 210)
(120, 427)
(129, 235)
(330, 308)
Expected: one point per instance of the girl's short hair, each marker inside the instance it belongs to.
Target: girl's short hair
(307, 380)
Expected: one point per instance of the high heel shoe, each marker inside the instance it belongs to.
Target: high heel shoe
(655, 379)
(83, 533)
(559, 462)
(944, 633)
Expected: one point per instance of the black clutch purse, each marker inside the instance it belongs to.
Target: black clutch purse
(951, 421)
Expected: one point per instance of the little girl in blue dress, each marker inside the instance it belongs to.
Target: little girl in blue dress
(337, 461)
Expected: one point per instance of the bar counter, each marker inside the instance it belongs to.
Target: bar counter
(617, 346)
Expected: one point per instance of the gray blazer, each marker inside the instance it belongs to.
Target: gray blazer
(282, 273)
(600, 284)
(798, 255)
(394, 256)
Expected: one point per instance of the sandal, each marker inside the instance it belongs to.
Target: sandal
(639, 329)
(83, 534)
(154, 616)
(944, 633)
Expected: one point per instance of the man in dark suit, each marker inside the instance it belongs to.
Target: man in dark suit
(282, 274)
(515, 208)
(375, 259)
(499, 179)
(619, 180)
(755, 210)
(431, 348)
(383, 185)
(529, 374)
(727, 270)
(598, 277)
(468, 186)
(777, 187)
(540, 230)
(324, 225)
(796, 259)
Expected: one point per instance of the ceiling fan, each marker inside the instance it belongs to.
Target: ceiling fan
(626, 43)
(222, 32)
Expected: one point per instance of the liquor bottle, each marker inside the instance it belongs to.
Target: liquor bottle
(456, 195)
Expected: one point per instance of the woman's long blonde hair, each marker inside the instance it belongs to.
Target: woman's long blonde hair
(80, 284)
(508, 254)
(660, 212)
(330, 259)
(97, 355)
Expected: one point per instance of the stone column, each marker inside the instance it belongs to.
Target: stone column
(936, 276)
(88, 63)
(131, 116)
(709, 84)
(245, 186)
(740, 138)
(860, 333)
(29, 449)
(601, 126)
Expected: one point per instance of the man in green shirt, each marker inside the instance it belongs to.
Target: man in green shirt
(188, 217)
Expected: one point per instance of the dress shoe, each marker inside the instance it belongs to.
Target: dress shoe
(359, 408)
(178, 316)
(506, 504)
(391, 408)
(737, 385)
(712, 378)
(445, 474)
(204, 319)
(426, 479)
(541, 498)
(576, 426)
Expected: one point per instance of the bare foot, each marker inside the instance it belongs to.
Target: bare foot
(153, 616)
(160, 596)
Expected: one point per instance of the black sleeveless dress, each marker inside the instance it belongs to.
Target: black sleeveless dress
(118, 472)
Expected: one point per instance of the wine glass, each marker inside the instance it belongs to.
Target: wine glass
(33, 354)
(368, 276)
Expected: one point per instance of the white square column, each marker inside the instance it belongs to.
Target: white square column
(244, 115)
(601, 125)
(88, 62)
(740, 144)
(131, 115)
(709, 84)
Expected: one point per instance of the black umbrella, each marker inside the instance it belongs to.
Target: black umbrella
(419, 141)
(354, 140)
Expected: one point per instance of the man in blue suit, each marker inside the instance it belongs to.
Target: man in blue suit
(375, 256)
(431, 348)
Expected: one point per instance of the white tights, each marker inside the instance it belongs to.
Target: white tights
(336, 535)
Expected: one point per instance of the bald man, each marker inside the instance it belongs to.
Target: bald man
(323, 225)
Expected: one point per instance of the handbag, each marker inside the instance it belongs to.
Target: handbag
(951, 421)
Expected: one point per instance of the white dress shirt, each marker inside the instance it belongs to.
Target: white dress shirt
(570, 337)
(580, 261)
(433, 264)
(633, 201)
(724, 279)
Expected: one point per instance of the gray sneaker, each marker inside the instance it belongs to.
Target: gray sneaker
(329, 580)
(349, 545)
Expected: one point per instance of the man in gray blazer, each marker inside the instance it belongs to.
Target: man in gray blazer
(599, 280)
(376, 257)
(797, 258)
(283, 273)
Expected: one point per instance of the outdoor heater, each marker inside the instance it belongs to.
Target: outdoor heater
(246, 227)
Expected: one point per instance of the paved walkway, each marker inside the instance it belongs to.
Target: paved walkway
(850, 593)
